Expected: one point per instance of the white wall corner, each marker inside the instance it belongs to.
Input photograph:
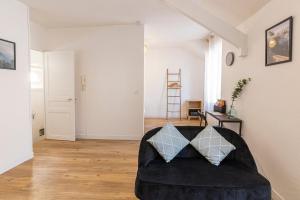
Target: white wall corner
(16, 162)
(276, 195)
(212, 23)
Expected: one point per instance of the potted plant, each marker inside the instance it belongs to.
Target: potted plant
(236, 94)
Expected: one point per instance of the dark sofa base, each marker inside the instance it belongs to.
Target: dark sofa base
(152, 191)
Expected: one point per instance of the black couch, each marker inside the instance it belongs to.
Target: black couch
(191, 177)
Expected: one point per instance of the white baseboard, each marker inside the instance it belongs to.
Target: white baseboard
(16, 163)
(276, 195)
(59, 137)
(108, 137)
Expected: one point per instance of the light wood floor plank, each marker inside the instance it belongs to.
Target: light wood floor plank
(81, 170)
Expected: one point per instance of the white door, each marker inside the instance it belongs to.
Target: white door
(60, 95)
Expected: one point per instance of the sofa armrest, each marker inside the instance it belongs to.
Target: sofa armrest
(244, 157)
(147, 152)
(242, 153)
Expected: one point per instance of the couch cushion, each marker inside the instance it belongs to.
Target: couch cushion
(213, 146)
(168, 142)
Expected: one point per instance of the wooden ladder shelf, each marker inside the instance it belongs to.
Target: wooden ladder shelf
(174, 93)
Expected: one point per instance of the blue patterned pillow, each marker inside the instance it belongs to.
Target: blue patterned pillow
(213, 146)
(168, 142)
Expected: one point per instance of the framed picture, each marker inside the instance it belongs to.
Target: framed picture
(7, 55)
(279, 42)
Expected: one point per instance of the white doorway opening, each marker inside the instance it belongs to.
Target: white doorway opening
(37, 95)
(53, 95)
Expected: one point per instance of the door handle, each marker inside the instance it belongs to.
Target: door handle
(70, 99)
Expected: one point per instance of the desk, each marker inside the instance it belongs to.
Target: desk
(222, 118)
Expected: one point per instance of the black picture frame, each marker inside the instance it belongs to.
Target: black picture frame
(3, 55)
(286, 47)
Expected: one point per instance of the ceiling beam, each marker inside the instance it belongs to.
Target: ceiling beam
(212, 23)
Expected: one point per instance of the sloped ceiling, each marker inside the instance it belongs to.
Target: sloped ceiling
(233, 12)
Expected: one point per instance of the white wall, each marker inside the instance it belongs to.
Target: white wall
(15, 114)
(38, 37)
(112, 59)
(269, 105)
(157, 60)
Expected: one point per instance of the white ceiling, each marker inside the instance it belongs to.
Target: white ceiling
(162, 24)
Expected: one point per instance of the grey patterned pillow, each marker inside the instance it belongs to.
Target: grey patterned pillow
(213, 146)
(168, 142)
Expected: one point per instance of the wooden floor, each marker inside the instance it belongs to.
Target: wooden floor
(86, 169)
(153, 123)
(81, 170)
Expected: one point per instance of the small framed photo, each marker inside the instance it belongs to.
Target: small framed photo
(279, 42)
(7, 55)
